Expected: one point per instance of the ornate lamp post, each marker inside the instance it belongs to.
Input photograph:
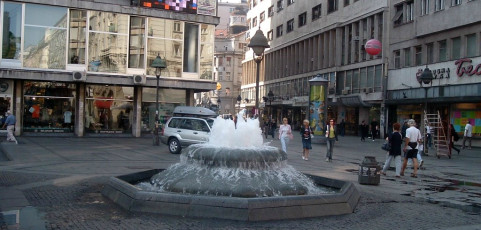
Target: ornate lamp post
(158, 64)
(258, 44)
(427, 79)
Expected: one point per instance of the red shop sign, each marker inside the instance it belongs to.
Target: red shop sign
(464, 66)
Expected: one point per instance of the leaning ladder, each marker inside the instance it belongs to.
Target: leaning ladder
(438, 134)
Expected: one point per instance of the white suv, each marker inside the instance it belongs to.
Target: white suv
(179, 132)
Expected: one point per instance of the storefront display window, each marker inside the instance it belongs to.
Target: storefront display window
(12, 27)
(168, 100)
(109, 109)
(463, 113)
(49, 107)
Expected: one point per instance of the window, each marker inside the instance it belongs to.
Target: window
(471, 46)
(279, 31)
(290, 25)
(455, 2)
(424, 7)
(302, 19)
(228, 61)
(254, 3)
(398, 17)
(430, 53)
(419, 55)
(136, 43)
(254, 22)
(456, 48)
(249, 23)
(409, 11)
(270, 11)
(279, 5)
(407, 57)
(262, 17)
(397, 59)
(290, 2)
(77, 37)
(227, 76)
(191, 46)
(12, 27)
(270, 35)
(442, 51)
(346, 3)
(439, 5)
(316, 12)
(331, 6)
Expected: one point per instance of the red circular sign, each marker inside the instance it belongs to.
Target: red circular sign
(373, 47)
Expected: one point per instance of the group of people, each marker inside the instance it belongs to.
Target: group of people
(285, 135)
(364, 130)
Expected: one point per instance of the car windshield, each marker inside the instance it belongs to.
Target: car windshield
(210, 122)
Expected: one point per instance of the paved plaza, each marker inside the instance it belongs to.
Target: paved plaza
(56, 183)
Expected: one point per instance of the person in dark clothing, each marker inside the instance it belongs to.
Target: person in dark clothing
(453, 138)
(395, 140)
(342, 127)
(364, 130)
(404, 128)
(374, 127)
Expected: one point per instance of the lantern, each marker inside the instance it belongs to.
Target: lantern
(369, 171)
(373, 47)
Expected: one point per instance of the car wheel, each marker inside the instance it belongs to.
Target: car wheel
(174, 146)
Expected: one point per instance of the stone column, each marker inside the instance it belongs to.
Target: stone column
(79, 129)
(137, 110)
(17, 107)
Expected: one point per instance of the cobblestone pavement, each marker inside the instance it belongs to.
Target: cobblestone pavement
(65, 181)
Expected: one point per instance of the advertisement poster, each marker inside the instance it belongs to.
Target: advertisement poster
(317, 109)
(459, 119)
(206, 7)
(184, 6)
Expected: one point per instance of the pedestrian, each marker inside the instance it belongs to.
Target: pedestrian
(331, 135)
(10, 123)
(342, 127)
(306, 133)
(453, 138)
(429, 136)
(404, 128)
(285, 134)
(364, 129)
(395, 140)
(468, 134)
(272, 127)
(413, 136)
(374, 127)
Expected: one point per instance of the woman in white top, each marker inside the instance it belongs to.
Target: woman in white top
(285, 134)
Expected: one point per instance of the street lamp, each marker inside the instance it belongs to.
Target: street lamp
(158, 64)
(239, 99)
(426, 78)
(258, 44)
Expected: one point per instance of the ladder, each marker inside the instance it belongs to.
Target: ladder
(438, 134)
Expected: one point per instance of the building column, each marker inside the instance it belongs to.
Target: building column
(137, 110)
(17, 107)
(79, 129)
(189, 97)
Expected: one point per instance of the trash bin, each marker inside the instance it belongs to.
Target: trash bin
(369, 171)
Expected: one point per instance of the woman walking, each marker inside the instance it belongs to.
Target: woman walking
(453, 138)
(331, 135)
(285, 134)
(395, 139)
(306, 133)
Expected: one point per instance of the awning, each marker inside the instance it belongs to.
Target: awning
(353, 101)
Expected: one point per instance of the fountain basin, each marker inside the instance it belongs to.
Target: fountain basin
(122, 191)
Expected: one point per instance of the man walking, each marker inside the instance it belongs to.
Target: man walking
(10, 123)
(364, 129)
(374, 128)
(468, 134)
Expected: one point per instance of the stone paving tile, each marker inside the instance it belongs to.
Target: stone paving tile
(15, 178)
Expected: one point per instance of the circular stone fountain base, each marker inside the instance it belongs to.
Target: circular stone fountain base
(122, 191)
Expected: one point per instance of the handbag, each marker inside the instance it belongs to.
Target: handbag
(312, 136)
(386, 146)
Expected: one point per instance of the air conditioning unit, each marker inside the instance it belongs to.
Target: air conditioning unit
(139, 79)
(346, 92)
(79, 76)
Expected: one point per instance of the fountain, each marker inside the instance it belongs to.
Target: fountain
(233, 177)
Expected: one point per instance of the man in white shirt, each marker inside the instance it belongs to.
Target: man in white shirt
(468, 134)
(413, 136)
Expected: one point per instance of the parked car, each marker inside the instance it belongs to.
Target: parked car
(189, 125)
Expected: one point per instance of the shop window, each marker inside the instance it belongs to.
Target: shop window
(48, 107)
(45, 40)
(109, 109)
(137, 42)
(168, 100)
(12, 30)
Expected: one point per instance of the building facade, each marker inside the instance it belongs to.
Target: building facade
(324, 37)
(229, 51)
(444, 36)
(85, 69)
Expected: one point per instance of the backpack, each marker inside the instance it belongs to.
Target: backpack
(456, 136)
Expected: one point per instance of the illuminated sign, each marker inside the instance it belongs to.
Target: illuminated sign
(184, 6)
